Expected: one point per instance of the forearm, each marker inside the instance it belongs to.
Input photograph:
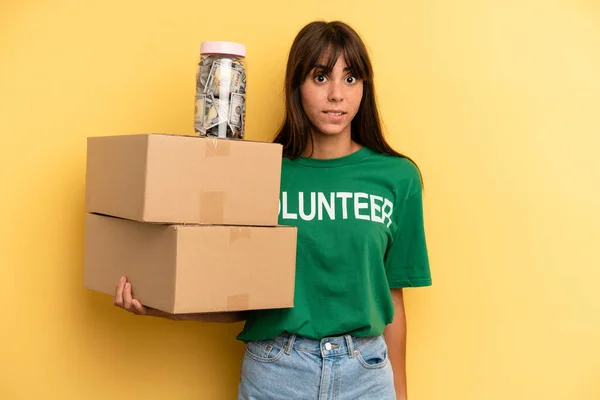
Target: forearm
(221, 317)
(395, 337)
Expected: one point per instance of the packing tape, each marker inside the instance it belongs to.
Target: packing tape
(238, 302)
(239, 232)
(216, 147)
(212, 204)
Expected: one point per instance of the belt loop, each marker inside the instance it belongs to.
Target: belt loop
(350, 344)
(290, 344)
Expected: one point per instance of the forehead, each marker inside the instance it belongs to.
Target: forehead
(326, 60)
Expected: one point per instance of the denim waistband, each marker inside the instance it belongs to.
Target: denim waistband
(334, 345)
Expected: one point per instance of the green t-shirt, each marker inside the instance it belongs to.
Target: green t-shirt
(360, 233)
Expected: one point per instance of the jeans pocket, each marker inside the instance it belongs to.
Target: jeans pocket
(264, 350)
(372, 352)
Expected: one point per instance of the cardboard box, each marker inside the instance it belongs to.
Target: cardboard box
(184, 179)
(192, 268)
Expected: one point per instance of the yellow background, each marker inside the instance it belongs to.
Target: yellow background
(498, 101)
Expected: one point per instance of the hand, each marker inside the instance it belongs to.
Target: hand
(124, 298)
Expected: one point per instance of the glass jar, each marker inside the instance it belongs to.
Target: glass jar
(221, 90)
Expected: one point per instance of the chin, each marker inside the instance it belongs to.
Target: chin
(332, 131)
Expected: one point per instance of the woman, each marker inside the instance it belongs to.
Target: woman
(358, 208)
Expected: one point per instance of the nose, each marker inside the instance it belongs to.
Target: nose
(336, 93)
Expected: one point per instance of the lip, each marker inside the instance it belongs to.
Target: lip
(335, 116)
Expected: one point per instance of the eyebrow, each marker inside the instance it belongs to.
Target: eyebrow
(324, 67)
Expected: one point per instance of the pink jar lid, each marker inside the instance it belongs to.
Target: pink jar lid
(231, 48)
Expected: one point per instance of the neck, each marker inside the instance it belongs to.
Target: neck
(325, 147)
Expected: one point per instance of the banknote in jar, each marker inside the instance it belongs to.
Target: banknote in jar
(214, 112)
(236, 108)
(223, 80)
(199, 114)
(204, 67)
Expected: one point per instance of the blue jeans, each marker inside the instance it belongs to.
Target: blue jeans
(292, 367)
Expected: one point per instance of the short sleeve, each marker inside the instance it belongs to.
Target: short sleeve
(407, 260)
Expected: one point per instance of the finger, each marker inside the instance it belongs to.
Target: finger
(127, 297)
(118, 299)
(139, 308)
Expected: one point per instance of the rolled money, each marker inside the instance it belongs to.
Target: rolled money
(222, 80)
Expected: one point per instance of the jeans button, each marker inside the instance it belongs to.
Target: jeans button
(327, 346)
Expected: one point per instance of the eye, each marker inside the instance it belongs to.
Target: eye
(351, 80)
(320, 78)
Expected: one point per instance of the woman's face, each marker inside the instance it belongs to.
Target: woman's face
(331, 100)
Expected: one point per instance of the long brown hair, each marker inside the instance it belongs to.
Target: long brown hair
(311, 42)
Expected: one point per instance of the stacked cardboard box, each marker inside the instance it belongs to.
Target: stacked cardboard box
(191, 221)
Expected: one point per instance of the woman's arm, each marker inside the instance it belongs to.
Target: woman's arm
(395, 337)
